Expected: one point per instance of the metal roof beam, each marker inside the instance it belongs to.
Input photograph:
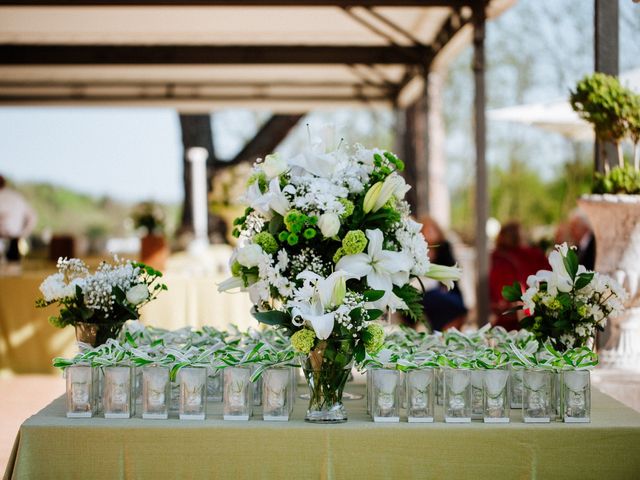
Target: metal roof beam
(45, 54)
(240, 3)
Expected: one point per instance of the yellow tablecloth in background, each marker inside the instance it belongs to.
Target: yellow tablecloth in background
(52, 446)
(28, 343)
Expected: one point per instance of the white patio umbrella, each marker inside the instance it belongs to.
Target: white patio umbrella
(557, 115)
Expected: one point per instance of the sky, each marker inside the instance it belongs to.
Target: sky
(135, 154)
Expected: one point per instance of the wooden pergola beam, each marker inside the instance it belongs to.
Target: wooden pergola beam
(13, 54)
(241, 3)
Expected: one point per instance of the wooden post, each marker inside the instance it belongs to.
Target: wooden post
(606, 55)
(482, 197)
(416, 171)
(196, 132)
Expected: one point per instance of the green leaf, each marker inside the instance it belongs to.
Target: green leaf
(373, 295)
(359, 352)
(571, 263)
(413, 298)
(583, 280)
(374, 313)
(271, 317)
(512, 293)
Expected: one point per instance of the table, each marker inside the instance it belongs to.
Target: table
(28, 342)
(49, 445)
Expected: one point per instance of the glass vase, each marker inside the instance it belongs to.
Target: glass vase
(457, 395)
(326, 370)
(386, 395)
(256, 386)
(193, 393)
(156, 392)
(117, 392)
(515, 382)
(214, 385)
(96, 334)
(496, 395)
(556, 407)
(477, 394)
(536, 395)
(238, 389)
(577, 396)
(82, 391)
(276, 395)
(420, 388)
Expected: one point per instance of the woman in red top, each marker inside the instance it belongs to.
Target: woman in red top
(511, 261)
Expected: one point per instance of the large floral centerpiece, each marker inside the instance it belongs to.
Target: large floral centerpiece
(327, 246)
(98, 303)
(567, 304)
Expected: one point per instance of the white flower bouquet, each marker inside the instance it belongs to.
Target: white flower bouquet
(104, 299)
(325, 247)
(568, 303)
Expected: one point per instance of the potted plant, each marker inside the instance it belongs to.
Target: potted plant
(98, 304)
(614, 207)
(149, 218)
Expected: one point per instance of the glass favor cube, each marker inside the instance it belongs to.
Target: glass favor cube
(515, 380)
(536, 395)
(477, 394)
(214, 385)
(496, 395)
(386, 395)
(276, 385)
(420, 392)
(117, 392)
(238, 390)
(193, 393)
(82, 391)
(457, 395)
(577, 396)
(156, 392)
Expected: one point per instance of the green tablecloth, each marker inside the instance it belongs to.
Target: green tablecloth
(52, 446)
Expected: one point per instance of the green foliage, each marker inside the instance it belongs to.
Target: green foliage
(619, 180)
(413, 298)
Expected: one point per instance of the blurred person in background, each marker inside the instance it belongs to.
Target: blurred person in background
(444, 308)
(582, 237)
(17, 220)
(512, 261)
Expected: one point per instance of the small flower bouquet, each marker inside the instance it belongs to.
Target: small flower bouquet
(567, 304)
(325, 247)
(98, 303)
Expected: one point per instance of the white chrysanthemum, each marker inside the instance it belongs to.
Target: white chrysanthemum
(55, 288)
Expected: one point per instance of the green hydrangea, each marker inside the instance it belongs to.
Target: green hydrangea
(303, 340)
(355, 241)
(583, 311)
(266, 241)
(348, 207)
(338, 255)
(373, 337)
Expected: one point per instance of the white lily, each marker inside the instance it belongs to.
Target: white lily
(273, 199)
(444, 274)
(230, 284)
(324, 293)
(383, 268)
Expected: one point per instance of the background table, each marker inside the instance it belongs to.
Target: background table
(52, 446)
(28, 342)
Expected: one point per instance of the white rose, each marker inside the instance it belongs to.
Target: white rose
(250, 255)
(137, 294)
(329, 224)
(274, 165)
